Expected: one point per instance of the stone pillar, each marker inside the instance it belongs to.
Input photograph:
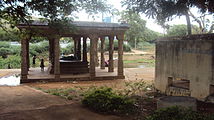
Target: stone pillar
(24, 65)
(84, 49)
(56, 59)
(79, 48)
(50, 51)
(120, 71)
(111, 52)
(92, 69)
(102, 61)
(51, 54)
(28, 57)
(75, 47)
(96, 53)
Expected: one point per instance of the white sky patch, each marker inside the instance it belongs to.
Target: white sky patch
(150, 23)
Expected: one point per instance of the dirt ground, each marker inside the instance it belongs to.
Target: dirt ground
(5, 72)
(131, 74)
(26, 103)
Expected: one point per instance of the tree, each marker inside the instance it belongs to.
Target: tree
(138, 32)
(205, 25)
(137, 26)
(177, 30)
(56, 12)
(181, 30)
(166, 10)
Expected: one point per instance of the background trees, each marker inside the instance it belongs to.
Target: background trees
(138, 33)
(166, 10)
(56, 12)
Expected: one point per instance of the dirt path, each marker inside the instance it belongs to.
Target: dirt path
(132, 74)
(5, 72)
(25, 103)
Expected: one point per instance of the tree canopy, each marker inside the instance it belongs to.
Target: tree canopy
(181, 30)
(138, 32)
(54, 11)
(166, 10)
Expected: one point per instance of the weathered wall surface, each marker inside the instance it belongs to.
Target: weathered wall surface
(187, 57)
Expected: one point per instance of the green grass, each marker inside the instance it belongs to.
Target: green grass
(140, 61)
(68, 93)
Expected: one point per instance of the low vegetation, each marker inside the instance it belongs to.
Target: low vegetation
(69, 93)
(136, 101)
(143, 61)
(178, 113)
(106, 101)
(131, 100)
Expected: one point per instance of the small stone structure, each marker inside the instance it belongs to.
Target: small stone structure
(93, 30)
(185, 65)
(181, 101)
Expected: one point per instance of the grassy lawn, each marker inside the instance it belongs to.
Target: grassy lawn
(150, 61)
(141, 92)
(137, 62)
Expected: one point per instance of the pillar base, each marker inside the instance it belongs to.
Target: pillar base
(111, 70)
(92, 76)
(23, 79)
(102, 67)
(120, 77)
(57, 77)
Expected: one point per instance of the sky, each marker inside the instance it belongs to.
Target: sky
(151, 24)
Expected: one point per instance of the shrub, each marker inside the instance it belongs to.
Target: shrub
(178, 113)
(13, 60)
(146, 46)
(15, 50)
(38, 48)
(106, 101)
(4, 52)
(69, 49)
(126, 47)
(4, 44)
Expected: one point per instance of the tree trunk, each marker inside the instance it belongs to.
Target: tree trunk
(211, 28)
(198, 21)
(189, 31)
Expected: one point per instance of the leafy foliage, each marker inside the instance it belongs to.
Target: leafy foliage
(106, 101)
(65, 93)
(177, 30)
(56, 12)
(13, 61)
(126, 47)
(39, 48)
(9, 35)
(180, 30)
(138, 31)
(177, 113)
(166, 10)
(68, 50)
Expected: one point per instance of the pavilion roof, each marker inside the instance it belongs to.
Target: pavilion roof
(84, 27)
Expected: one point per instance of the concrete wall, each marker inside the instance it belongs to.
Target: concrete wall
(186, 57)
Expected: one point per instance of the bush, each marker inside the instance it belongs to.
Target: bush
(4, 52)
(38, 48)
(146, 46)
(69, 49)
(15, 50)
(178, 113)
(13, 61)
(106, 101)
(126, 47)
(4, 44)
